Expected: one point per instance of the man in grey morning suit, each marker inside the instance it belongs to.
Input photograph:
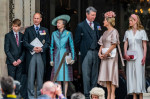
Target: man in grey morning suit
(86, 38)
(37, 61)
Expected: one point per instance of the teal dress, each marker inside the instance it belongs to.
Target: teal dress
(61, 43)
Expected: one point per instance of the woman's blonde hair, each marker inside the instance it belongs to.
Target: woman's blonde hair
(110, 17)
(111, 21)
(139, 25)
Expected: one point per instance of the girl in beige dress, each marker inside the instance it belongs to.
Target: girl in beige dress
(108, 73)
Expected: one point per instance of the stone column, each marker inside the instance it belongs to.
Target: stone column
(4, 28)
(24, 10)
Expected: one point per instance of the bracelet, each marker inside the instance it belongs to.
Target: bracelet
(60, 96)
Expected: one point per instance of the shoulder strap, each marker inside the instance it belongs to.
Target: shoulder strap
(120, 53)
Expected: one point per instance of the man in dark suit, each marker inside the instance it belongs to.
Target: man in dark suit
(14, 51)
(36, 62)
(86, 38)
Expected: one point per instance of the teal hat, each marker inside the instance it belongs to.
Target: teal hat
(61, 17)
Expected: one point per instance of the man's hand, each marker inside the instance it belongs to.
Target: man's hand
(15, 63)
(19, 61)
(59, 91)
(37, 49)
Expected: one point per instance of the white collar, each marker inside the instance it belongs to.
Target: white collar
(15, 32)
(36, 26)
(88, 21)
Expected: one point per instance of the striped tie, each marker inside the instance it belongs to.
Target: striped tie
(17, 39)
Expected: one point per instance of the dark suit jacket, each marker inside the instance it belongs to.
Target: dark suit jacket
(83, 37)
(13, 52)
(29, 36)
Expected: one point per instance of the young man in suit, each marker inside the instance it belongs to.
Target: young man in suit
(13, 47)
(36, 62)
(86, 38)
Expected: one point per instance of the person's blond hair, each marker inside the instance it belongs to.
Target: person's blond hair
(139, 24)
(97, 91)
(111, 21)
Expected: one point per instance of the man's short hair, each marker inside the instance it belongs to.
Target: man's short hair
(49, 86)
(16, 22)
(89, 9)
(7, 85)
(77, 95)
(39, 14)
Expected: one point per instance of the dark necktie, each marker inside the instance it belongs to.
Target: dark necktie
(17, 39)
(37, 29)
(91, 25)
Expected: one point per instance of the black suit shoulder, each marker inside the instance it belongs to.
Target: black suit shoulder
(96, 23)
(9, 33)
(28, 29)
(81, 24)
(44, 28)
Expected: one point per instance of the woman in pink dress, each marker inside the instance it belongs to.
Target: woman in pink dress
(108, 74)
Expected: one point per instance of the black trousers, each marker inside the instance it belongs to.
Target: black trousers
(15, 71)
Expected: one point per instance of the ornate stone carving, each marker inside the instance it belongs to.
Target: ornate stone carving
(11, 12)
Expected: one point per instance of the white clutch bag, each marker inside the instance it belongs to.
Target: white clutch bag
(112, 54)
(132, 54)
(68, 58)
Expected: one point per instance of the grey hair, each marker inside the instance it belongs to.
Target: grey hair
(77, 95)
(89, 9)
(97, 91)
(64, 22)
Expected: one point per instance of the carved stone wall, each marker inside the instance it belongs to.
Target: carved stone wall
(4, 27)
(9, 10)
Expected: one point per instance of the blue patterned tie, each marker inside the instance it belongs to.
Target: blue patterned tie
(37, 29)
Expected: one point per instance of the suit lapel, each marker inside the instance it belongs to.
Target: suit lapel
(88, 28)
(33, 31)
(14, 39)
(20, 42)
(20, 38)
(95, 27)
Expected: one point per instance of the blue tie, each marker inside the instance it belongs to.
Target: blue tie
(37, 29)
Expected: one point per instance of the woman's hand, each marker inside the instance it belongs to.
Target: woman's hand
(72, 62)
(143, 60)
(52, 63)
(127, 57)
(100, 55)
(105, 56)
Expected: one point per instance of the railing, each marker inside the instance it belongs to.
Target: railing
(60, 65)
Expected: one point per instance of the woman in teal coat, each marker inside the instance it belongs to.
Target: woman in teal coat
(61, 42)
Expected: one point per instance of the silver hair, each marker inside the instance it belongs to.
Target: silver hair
(97, 91)
(77, 95)
(89, 9)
